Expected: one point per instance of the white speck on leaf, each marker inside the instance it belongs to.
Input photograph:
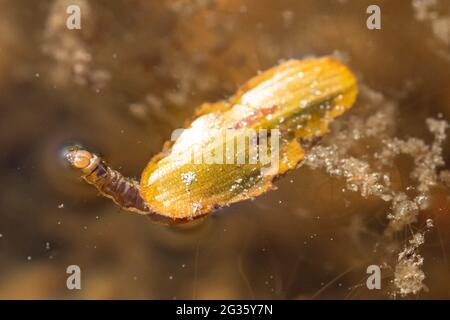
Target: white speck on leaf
(188, 178)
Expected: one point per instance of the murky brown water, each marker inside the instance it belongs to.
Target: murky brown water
(140, 69)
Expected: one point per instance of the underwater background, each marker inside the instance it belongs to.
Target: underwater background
(135, 72)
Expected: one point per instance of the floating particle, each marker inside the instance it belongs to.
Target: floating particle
(196, 207)
(408, 273)
(188, 178)
(139, 110)
(288, 18)
(417, 240)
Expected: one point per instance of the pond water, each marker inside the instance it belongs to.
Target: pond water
(136, 71)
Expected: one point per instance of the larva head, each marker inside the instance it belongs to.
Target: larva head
(82, 159)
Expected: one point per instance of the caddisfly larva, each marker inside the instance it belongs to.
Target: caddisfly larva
(292, 104)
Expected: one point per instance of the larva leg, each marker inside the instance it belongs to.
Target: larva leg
(111, 184)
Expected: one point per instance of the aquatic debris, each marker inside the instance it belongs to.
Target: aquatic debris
(69, 49)
(361, 177)
(426, 11)
(370, 178)
(188, 178)
(408, 275)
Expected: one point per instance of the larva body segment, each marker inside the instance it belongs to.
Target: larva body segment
(294, 101)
